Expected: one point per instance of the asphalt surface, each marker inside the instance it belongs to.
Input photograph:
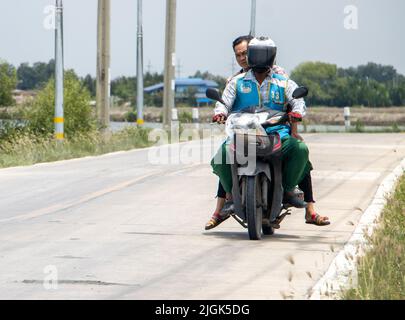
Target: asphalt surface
(130, 225)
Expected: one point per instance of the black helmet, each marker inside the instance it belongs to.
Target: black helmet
(261, 54)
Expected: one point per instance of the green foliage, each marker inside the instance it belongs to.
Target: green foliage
(150, 79)
(154, 99)
(381, 271)
(10, 129)
(27, 148)
(78, 114)
(35, 77)
(124, 87)
(8, 81)
(359, 126)
(370, 85)
(320, 79)
(185, 117)
(131, 116)
(90, 84)
(395, 128)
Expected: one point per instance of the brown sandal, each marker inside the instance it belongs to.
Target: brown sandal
(318, 220)
(215, 220)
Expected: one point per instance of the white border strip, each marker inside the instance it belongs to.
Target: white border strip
(342, 272)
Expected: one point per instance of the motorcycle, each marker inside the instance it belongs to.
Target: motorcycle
(256, 166)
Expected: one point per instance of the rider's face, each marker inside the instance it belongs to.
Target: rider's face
(241, 54)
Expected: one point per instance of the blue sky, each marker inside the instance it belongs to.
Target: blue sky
(303, 30)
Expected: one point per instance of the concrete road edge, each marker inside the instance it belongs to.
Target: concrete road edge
(342, 272)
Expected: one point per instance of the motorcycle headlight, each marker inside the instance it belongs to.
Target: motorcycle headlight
(274, 120)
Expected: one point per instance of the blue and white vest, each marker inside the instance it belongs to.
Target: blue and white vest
(248, 94)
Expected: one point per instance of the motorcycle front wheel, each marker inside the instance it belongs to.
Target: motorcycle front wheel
(254, 211)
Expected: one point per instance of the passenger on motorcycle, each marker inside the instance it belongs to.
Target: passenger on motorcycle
(240, 47)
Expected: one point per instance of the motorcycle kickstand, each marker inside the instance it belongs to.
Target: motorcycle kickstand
(276, 223)
(239, 220)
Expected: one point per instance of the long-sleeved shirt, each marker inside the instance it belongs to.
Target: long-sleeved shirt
(229, 94)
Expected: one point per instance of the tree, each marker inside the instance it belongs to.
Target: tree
(320, 78)
(35, 77)
(371, 85)
(397, 91)
(79, 117)
(8, 82)
(90, 84)
(124, 87)
(376, 72)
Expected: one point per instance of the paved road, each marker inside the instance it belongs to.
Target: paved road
(121, 227)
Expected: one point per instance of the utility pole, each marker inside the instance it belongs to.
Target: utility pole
(170, 61)
(253, 18)
(103, 64)
(59, 120)
(139, 68)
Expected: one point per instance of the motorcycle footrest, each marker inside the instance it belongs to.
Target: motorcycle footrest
(239, 220)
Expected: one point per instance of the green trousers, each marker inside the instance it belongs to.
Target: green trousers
(296, 164)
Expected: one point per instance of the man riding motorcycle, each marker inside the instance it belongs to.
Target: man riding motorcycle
(263, 85)
(223, 207)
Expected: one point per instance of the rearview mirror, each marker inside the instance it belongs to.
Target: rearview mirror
(300, 92)
(213, 94)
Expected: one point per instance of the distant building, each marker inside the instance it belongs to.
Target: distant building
(186, 89)
(21, 96)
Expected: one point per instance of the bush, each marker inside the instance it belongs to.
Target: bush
(78, 115)
(359, 126)
(26, 148)
(381, 270)
(185, 117)
(130, 116)
(8, 81)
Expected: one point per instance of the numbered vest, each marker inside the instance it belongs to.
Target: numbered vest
(248, 95)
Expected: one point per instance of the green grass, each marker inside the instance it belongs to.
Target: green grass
(381, 271)
(25, 148)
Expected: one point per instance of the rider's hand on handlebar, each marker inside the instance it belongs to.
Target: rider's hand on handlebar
(294, 117)
(219, 118)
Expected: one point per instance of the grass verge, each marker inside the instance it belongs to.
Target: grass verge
(26, 149)
(381, 271)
